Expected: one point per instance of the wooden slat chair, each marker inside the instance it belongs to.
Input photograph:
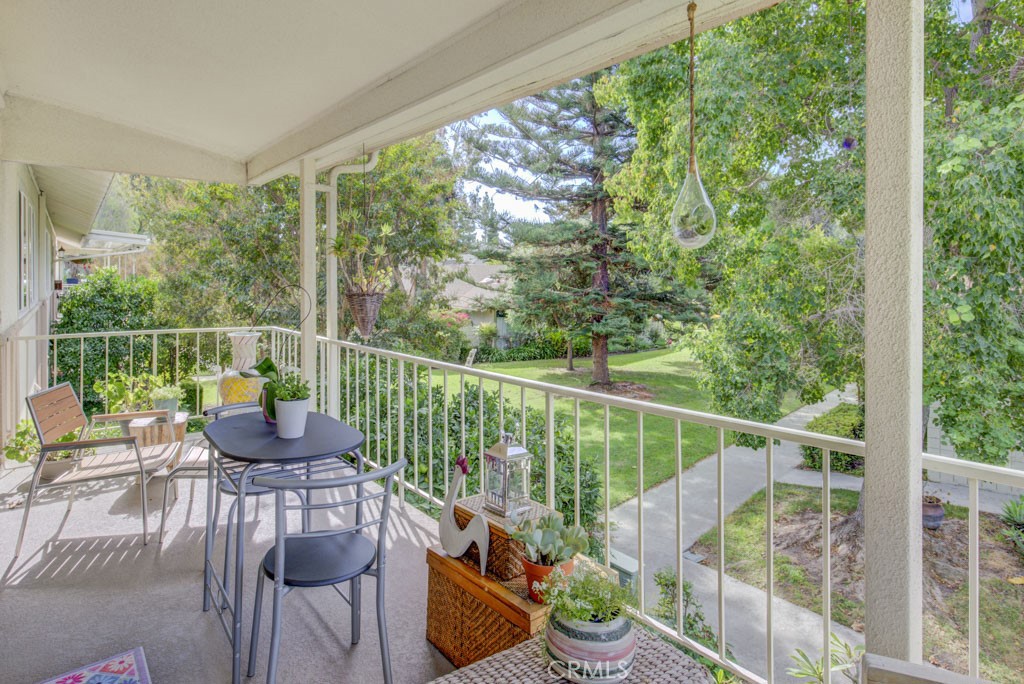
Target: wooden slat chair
(56, 412)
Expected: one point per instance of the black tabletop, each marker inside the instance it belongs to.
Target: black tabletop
(248, 437)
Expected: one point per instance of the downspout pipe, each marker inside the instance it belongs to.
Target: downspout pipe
(334, 360)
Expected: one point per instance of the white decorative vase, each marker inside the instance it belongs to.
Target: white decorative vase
(232, 387)
(597, 652)
(291, 417)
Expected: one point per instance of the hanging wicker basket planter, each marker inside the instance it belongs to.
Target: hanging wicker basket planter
(365, 306)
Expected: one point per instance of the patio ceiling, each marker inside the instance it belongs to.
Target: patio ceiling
(240, 92)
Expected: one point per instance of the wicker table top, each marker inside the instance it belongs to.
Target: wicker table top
(656, 663)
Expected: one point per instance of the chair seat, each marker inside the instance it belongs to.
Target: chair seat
(119, 464)
(322, 561)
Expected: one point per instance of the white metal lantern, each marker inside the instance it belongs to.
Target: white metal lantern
(507, 478)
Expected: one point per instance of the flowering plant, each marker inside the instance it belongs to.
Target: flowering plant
(588, 595)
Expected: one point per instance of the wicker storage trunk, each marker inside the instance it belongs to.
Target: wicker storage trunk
(504, 553)
(470, 617)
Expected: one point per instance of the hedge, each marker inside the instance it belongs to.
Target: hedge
(845, 420)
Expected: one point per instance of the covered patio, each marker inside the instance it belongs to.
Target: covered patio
(206, 91)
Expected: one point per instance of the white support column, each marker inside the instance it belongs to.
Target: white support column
(333, 352)
(892, 338)
(307, 267)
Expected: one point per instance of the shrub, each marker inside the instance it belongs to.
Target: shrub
(550, 345)
(1013, 517)
(488, 334)
(845, 420)
(384, 431)
(695, 624)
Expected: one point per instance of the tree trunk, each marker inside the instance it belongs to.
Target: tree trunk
(601, 284)
(568, 356)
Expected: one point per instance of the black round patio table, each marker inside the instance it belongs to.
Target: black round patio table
(238, 444)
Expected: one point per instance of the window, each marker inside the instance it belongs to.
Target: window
(26, 250)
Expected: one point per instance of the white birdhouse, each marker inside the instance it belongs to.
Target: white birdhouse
(507, 478)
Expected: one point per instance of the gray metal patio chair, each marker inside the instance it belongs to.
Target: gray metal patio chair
(325, 557)
(57, 412)
(193, 464)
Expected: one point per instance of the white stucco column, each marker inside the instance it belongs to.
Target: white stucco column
(331, 314)
(892, 338)
(307, 267)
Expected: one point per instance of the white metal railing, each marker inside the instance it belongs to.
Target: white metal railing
(405, 403)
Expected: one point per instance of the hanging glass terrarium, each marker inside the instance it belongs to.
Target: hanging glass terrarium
(693, 219)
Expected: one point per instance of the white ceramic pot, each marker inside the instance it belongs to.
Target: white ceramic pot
(291, 417)
(595, 652)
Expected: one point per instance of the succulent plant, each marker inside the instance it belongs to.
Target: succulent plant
(548, 540)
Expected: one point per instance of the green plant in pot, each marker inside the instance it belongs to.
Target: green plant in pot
(24, 443)
(548, 544)
(291, 405)
(125, 393)
(166, 397)
(589, 636)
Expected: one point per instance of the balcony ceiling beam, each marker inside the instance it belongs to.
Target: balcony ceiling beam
(35, 132)
(519, 50)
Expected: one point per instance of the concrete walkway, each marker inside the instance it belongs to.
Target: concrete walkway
(745, 606)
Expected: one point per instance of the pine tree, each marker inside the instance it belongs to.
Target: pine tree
(557, 148)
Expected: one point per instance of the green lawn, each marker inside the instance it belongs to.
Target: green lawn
(671, 375)
(945, 639)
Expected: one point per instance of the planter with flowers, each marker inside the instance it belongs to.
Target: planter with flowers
(366, 272)
(589, 636)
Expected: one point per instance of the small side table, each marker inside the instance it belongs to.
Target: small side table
(150, 431)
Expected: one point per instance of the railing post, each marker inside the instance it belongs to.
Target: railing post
(549, 438)
(401, 427)
(894, 227)
(307, 266)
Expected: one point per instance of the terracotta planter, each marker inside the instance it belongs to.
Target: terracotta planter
(590, 651)
(932, 513)
(535, 574)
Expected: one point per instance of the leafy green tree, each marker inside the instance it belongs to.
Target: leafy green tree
(780, 144)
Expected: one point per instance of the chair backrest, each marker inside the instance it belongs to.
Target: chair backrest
(56, 412)
(299, 490)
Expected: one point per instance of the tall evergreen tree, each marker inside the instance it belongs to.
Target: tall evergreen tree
(557, 148)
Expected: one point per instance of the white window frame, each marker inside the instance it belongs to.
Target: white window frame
(27, 229)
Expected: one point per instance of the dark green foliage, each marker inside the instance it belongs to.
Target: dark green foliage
(845, 420)
(104, 302)
(695, 625)
(549, 345)
(1013, 517)
(383, 435)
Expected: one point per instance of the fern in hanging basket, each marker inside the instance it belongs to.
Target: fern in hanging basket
(366, 272)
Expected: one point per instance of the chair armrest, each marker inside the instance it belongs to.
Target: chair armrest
(111, 417)
(217, 410)
(87, 444)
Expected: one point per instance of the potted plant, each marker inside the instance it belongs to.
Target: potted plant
(126, 393)
(291, 405)
(166, 397)
(548, 543)
(589, 636)
(24, 443)
(932, 512)
(268, 375)
(366, 272)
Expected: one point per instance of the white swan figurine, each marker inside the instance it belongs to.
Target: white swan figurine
(454, 540)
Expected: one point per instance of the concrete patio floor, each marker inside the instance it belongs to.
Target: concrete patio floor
(90, 589)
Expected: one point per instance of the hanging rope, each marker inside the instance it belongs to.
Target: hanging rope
(691, 11)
